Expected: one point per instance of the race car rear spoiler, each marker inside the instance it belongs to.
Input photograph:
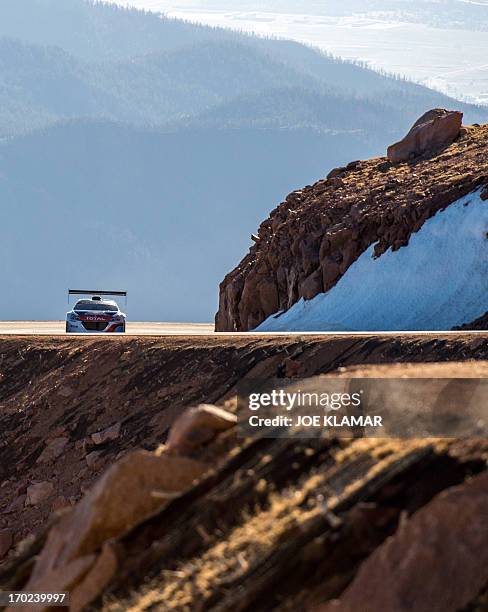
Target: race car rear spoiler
(97, 293)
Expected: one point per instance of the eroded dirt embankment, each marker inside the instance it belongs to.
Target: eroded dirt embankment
(55, 393)
(271, 524)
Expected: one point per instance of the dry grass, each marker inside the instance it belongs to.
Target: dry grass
(231, 556)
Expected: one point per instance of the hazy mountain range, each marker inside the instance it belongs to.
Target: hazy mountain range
(140, 152)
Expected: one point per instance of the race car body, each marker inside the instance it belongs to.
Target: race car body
(95, 315)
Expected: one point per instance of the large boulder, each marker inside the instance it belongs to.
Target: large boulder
(435, 129)
(196, 427)
(435, 562)
(80, 553)
(77, 552)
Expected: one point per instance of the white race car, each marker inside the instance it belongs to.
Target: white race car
(95, 315)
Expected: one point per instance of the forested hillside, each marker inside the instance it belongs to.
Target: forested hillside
(237, 81)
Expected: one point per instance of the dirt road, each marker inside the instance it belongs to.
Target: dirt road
(56, 328)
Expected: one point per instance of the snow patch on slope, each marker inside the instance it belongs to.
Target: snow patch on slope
(438, 281)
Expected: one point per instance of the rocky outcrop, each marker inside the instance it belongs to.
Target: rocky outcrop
(78, 546)
(152, 381)
(435, 129)
(479, 324)
(212, 520)
(79, 554)
(196, 427)
(310, 240)
(403, 574)
(107, 435)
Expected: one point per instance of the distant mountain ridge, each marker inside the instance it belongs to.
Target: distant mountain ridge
(181, 72)
(97, 31)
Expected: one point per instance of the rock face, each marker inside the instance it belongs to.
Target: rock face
(203, 368)
(107, 435)
(403, 574)
(79, 554)
(129, 491)
(310, 240)
(479, 324)
(437, 128)
(321, 516)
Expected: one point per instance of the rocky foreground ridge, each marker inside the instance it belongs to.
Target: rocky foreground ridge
(138, 503)
(211, 521)
(58, 438)
(151, 506)
(310, 240)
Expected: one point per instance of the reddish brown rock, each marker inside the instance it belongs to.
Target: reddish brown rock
(198, 426)
(336, 182)
(293, 368)
(127, 493)
(106, 435)
(59, 503)
(39, 492)
(93, 459)
(335, 172)
(6, 542)
(65, 391)
(436, 562)
(54, 449)
(310, 240)
(268, 294)
(310, 286)
(435, 129)
(57, 581)
(17, 504)
(95, 580)
(479, 324)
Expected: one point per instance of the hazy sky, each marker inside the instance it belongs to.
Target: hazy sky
(413, 38)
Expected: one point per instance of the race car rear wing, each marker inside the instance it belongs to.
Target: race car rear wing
(97, 293)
